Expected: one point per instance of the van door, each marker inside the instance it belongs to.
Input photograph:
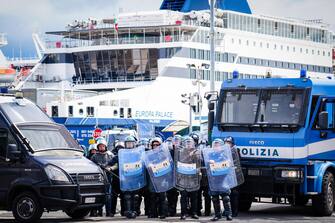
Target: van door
(322, 138)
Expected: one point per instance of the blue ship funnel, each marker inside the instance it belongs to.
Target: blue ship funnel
(190, 5)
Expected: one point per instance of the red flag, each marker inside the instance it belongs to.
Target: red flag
(116, 27)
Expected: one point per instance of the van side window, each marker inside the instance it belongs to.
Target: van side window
(328, 106)
(3, 142)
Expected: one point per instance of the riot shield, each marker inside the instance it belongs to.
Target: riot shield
(220, 168)
(131, 169)
(159, 164)
(187, 168)
(237, 164)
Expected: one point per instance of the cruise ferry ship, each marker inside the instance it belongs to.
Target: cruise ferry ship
(140, 63)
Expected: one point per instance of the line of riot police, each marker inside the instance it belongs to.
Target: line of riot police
(184, 167)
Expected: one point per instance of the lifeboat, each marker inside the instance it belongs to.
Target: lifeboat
(7, 75)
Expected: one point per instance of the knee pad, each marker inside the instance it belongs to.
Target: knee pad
(226, 199)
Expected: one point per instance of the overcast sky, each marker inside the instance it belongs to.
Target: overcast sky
(20, 18)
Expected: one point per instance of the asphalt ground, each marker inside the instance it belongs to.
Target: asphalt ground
(259, 213)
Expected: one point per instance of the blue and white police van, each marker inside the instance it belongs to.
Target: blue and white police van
(285, 132)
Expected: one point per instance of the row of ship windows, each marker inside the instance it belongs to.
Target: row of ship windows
(230, 58)
(90, 112)
(221, 76)
(282, 47)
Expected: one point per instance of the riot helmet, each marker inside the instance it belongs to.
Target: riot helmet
(155, 142)
(217, 143)
(130, 142)
(229, 141)
(188, 142)
(195, 137)
(176, 140)
(144, 142)
(102, 145)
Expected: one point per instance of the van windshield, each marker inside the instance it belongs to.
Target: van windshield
(42, 137)
(263, 107)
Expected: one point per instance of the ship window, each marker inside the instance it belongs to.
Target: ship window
(268, 45)
(300, 50)
(240, 41)
(81, 111)
(306, 51)
(129, 114)
(90, 111)
(121, 112)
(54, 111)
(70, 111)
(115, 112)
(323, 53)
(281, 47)
(275, 47)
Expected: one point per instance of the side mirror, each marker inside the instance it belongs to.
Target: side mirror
(211, 96)
(323, 120)
(13, 153)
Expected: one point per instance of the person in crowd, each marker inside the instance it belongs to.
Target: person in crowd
(172, 195)
(217, 144)
(102, 158)
(132, 199)
(190, 154)
(92, 149)
(114, 170)
(158, 201)
(234, 195)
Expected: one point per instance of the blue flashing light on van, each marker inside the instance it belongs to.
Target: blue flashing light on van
(285, 132)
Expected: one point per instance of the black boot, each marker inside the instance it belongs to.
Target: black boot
(163, 205)
(128, 203)
(137, 204)
(217, 208)
(234, 196)
(207, 203)
(227, 207)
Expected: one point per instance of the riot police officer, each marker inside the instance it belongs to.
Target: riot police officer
(102, 158)
(234, 196)
(114, 170)
(217, 143)
(132, 199)
(158, 201)
(172, 195)
(203, 191)
(188, 164)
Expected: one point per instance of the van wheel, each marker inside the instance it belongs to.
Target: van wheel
(78, 214)
(244, 203)
(26, 208)
(323, 204)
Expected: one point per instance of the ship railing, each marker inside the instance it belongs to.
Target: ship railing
(73, 43)
(123, 79)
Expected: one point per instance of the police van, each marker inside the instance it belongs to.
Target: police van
(285, 132)
(42, 167)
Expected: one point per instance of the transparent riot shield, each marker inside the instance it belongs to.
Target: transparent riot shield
(187, 168)
(220, 168)
(160, 167)
(237, 164)
(131, 169)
